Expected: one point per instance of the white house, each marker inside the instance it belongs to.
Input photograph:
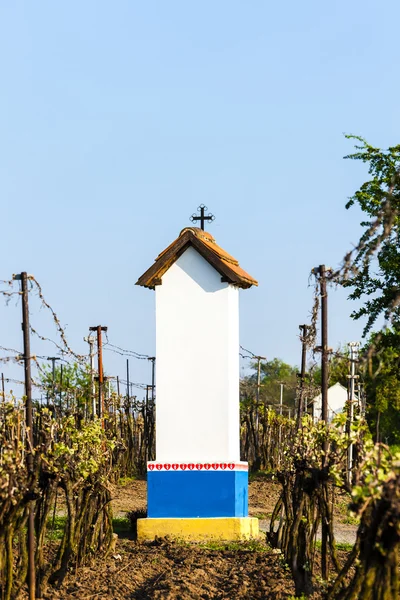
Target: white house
(337, 398)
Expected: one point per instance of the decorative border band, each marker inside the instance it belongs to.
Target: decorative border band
(158, 466)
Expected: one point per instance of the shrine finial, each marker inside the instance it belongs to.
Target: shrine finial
(202, 217)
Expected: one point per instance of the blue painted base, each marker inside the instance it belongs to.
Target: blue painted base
(190, 494)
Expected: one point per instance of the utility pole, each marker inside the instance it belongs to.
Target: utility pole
(90, 340)
(324, 343)
(61, 387)
(127, 380)
(153, 361)
(98, 329)
(280, 412)
(53, 372)
(146, 424)
(119, 405)
(352, 399)
(300, 407)
(149, 415)
(321, 271)
(23, 277)
(258, 359)
(3, 388)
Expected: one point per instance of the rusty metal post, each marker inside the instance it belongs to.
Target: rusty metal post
(29, 430)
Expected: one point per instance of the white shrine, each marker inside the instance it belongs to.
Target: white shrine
(197, 487)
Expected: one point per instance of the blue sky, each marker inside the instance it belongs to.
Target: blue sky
(117, 119)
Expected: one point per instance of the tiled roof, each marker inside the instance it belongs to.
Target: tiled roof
(206, 246)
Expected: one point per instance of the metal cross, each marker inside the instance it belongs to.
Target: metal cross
(202, 216)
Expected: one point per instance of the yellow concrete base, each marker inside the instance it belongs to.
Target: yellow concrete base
(218, 528)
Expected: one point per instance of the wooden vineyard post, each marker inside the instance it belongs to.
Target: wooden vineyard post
(300, 406)
(23, 277)
(98, 329)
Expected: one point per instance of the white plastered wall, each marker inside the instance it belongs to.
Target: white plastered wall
(337, 398)
(197, 345)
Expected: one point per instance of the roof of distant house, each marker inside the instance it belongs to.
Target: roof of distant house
(334, 386)
(206, 246)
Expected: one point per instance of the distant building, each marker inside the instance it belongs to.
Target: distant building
(337, 398)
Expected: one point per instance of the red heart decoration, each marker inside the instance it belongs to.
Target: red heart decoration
(183, 467)
(215, 466)
(158, 467)
(231, 466)
(207, 466)
(175, 467)
(150, 467)
(223, 465)
(191, 466)
(199, 466)
(167, 467)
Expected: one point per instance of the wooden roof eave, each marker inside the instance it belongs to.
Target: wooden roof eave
(219, 265)
(153, 275)
(161, 265)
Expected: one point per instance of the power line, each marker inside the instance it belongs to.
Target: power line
(248, 351)
(135, 385)
(124, 352)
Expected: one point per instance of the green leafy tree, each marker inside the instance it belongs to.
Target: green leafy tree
(382, 385)
(374, 278)
(375, 273)
(273, 373)
(69, 389)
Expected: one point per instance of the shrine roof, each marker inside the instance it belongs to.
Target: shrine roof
(205, 244)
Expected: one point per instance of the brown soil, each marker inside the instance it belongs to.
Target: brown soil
(167, 570)
(132, 496)
(263, 495)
